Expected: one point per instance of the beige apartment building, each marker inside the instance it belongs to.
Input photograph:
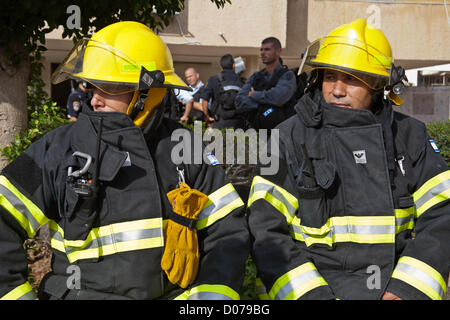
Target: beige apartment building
(418, 30)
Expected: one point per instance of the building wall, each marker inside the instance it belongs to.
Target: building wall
(427, 104)
(418, 30)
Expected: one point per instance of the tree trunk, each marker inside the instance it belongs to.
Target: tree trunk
(13, 96)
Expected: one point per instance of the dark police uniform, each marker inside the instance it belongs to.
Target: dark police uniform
(75, 102)
(210, 92)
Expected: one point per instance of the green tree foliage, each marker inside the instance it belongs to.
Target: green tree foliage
(440, 132)
(27, 22)
(24, 24)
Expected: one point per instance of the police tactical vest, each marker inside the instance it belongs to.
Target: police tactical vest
(269, 116)
(223, 107)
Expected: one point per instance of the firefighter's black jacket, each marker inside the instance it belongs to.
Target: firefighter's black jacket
(114, 250)
(359, 206)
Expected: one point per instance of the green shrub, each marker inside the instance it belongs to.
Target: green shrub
(440, 132)
(43, 116)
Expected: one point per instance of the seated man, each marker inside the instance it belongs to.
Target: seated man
(359, 208)
(191, 99)
(126, 221)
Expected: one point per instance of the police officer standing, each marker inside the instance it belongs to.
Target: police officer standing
(79, 96)
(268, 95)
(219, 95)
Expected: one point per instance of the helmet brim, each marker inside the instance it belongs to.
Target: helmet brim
(123, 80)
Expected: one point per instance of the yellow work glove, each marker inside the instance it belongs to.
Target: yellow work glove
(180, 258)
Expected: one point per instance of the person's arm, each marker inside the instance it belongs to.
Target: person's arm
(24, 207)
(242, 100)
(278, 95)
(206, 96)
(206, 116)
(224, 243)
(423, 267)
(187, 111)
(284, 268)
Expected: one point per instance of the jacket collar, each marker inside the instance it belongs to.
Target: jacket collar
(84, 139)
(277, 68)
(314, 111)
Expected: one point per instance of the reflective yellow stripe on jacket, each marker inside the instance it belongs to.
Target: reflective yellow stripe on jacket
(421, 276)
(29, 216)
(279, 198)
(297, 282)
(261, 290)
(221, 202)
(209, 292)
(22, 292)
(365, 229)
(110, 239)
(368, 229)
(404, 219)
(432, 192)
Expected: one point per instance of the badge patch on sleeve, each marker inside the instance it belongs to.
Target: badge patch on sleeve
(433, 145)
(76, 106)
(212, 159)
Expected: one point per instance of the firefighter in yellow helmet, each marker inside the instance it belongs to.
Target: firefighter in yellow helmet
(126, 220)
(359, 208)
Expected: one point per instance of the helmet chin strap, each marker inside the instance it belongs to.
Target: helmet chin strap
(137, 104)
(143, 104)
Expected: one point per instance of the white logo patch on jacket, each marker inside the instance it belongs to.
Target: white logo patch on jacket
(360, 156)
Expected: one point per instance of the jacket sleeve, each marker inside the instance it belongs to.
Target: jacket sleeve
(242, 101)
(284, 268)
(22, 204)
(224, 243)
(208, 92)
(278, 95)
(422, 269)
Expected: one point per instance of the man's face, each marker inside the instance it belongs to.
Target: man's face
(268, 53)
(103, 102)
(343, 90)
(192, 77)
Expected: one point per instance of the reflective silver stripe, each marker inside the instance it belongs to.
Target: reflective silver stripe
(231, 87)
(20, 206)
(349, 229)
(30, 295)
(356, 229)
(436, 190)
(261, 289)
(54, 234)
(298, 281)
(404, 220)
(422, 276)
(208, 296)
(119, 237)
(22, 292)
(218, 204)
(275, 193)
